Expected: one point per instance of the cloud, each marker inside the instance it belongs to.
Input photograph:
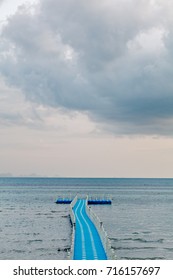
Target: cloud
(14, 110)
(111, 60)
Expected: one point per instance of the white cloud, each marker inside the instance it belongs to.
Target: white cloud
(148, 42)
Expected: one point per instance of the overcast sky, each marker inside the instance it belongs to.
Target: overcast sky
(86, 88)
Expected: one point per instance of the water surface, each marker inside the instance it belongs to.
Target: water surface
(139, 222)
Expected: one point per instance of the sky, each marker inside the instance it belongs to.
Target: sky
(86, 88)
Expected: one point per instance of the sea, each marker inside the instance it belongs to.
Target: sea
(139, 222)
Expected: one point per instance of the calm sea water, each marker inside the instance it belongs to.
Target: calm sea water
(139, 222)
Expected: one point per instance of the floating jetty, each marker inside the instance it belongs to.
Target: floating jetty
(90, 201)
(87, 242)
(63, 201)
(89, 238)
(99, 201)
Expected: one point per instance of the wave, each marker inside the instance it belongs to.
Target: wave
(141, 240)
(34, 240)
(133, 248)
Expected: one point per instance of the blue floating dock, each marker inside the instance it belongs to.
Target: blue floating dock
(90, 201)
(63, 201)
(87, 241)
(99, 201)
(89, 238)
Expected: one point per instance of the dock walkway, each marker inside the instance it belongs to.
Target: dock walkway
(87, 241)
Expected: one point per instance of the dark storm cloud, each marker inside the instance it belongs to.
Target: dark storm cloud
(109, 59)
